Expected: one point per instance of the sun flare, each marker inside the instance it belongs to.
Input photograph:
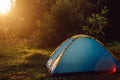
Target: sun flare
(5, 6)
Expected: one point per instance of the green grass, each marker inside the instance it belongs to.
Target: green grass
(115, 49)
(29, 64)
(23, 64)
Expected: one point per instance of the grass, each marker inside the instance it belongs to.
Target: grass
(23, 64)
(115, 48)
(29, 64)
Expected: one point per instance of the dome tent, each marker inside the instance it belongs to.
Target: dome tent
(81, 53)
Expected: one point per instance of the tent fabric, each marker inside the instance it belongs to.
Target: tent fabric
(81, 53)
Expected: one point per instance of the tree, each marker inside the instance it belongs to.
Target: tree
(63, 19)
(96, 24)
(57, 23)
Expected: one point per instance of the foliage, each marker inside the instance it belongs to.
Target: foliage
(46, 23)
(96, 24)
(42, 37)
(50, 29)
(64, 19)
(14, 42)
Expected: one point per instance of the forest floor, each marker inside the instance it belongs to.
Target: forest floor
(29, 64)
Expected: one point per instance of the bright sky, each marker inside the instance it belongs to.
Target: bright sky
(5, 6)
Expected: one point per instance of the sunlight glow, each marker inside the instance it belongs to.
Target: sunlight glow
(5, 6)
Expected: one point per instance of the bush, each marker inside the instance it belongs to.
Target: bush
(96, 24)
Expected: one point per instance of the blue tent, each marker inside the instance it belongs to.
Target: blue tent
(81, 53)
